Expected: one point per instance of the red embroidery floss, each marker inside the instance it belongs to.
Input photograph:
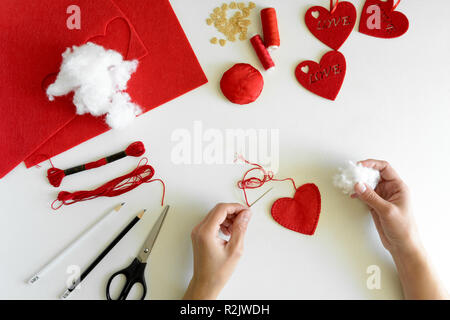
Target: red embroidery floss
(142, 174)
(55, 175)
(255, 182)
(262, 53)
(270, 28)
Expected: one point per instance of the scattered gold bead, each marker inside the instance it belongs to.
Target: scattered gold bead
(233, 27)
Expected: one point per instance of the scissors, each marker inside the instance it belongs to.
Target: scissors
(134, 273)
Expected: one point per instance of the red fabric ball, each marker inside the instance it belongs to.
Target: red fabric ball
(242, 83)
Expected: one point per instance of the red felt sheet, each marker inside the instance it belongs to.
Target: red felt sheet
(33, 36)
(169, 70)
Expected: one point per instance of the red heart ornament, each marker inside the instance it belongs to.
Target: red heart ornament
(331, 27)
(378, 19)
(325, 78)
(301, 213)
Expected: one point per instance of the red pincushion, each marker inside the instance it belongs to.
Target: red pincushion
(242, 83)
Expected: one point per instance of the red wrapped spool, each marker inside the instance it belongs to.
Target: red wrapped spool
(262, 53)
(270, 28)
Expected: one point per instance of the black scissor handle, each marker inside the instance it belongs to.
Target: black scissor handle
(134, 273)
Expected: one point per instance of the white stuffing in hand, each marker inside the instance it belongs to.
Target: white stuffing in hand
(353, 173)
(98, 78)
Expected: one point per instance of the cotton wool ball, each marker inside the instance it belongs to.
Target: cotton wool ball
(98, 78)
(353, 173)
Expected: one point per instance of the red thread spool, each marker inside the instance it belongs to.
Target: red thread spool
(270, 28)
(262, 53)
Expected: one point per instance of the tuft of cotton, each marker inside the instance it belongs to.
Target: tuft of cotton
(98, 78)
(353, 173)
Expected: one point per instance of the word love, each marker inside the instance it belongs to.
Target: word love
(325, 78)
(330, 23)
(332, 27)
(378, 19)
(325, 73)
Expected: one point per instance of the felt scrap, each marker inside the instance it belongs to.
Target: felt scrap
(325, 78)
(391, 23)
(169, 70)
(34, 34)
(331, 27)
(300, 213)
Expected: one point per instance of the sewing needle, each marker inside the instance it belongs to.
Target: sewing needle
(260, 197)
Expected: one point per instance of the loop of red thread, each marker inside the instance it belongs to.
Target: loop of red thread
(95, 164)
(255, 182)
(395, 5)
(136, 149)
(55, 176)
(261, 52)
(333, 8)
(143, 173)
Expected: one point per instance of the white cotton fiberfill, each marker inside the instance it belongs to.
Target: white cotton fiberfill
(98, 78)
(353, 173)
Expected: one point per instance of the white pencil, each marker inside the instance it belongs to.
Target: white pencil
(72, 246)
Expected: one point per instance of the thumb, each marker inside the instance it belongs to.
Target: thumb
(371, 198)
(238, 230)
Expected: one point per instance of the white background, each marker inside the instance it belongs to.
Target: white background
(394, 105)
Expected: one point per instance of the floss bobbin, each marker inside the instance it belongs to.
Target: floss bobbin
(270, 28)
(55, 175)
(262, 53)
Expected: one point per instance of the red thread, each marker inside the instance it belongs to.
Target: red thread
(262, 52)
(136, 149)
(255, 182)
(270, 28)
(95, 164)
(333, 8)
(142, 174)
(395, 6)
(55, 175)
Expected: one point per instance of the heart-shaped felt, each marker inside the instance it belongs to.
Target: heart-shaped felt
(117, 36)
(378, 19)
(331, 28)
(301, 213)
(325, 78)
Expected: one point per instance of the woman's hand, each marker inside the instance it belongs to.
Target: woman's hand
(214, 258)
(390, 206)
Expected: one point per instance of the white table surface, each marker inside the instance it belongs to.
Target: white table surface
(394, 105)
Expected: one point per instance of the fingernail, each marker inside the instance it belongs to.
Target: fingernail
(360, 188)
(246, 214)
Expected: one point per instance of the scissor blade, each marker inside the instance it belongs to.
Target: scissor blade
(150, 241)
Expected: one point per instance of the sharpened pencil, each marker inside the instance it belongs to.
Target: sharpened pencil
(97, 260)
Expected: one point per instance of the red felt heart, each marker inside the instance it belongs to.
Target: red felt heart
(324, 79)
(301, 213)
(378, 19)
(117, 36)
(331, 28)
